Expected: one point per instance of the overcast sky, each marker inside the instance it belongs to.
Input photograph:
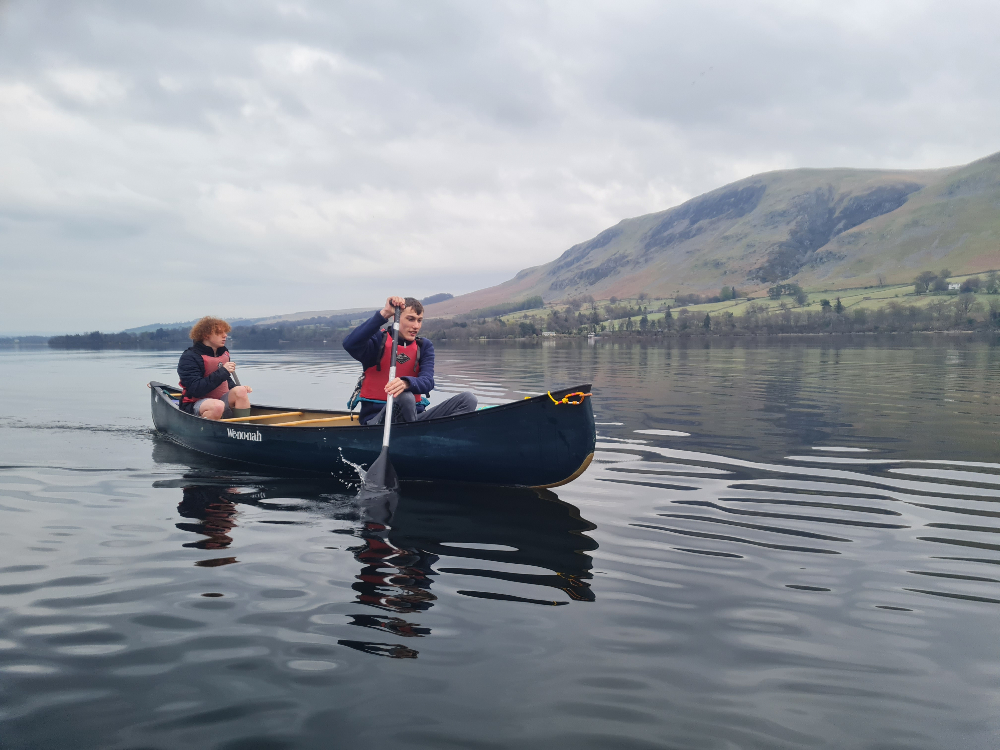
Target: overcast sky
(164, 160)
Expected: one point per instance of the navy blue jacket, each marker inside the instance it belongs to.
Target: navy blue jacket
(191, 369)
(363, 344)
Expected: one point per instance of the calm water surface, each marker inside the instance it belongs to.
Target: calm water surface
(779, 545)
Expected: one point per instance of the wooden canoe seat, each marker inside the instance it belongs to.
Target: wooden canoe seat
(259, 417)
(315, 422)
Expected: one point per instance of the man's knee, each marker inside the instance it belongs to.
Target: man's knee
(461, 403)
(469, 402)
(405, 407)
(237, 394)
(212, 409)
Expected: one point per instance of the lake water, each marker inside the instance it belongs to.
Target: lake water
(780, 544)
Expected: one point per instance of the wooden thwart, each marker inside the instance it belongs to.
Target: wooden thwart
(311, 421)
(258, 417)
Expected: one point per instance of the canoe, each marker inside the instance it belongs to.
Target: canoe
(542, 441)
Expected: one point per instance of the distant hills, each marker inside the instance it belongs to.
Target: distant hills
(170, 326)
(819, 228)
(299, 318)
(273, 320)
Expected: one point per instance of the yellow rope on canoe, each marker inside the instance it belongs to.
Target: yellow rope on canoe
(568, 398)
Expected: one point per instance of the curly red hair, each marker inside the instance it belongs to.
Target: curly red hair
(207, 326)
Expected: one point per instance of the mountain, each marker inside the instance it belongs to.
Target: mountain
(302, 316)
(171, 326)
(820, 228)
(272, 320)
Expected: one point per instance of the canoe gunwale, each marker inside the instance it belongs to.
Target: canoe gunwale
(378, 428)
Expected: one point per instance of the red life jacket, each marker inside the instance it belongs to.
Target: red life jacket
(211, 365)
(377, 376)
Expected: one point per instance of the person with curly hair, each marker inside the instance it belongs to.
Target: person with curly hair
(208, 389)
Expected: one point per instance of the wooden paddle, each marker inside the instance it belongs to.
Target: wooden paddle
(381, 477)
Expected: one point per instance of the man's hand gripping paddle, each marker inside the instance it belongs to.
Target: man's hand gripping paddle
(381, 477)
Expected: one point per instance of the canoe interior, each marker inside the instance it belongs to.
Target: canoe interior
(274, 415)
(283, 415)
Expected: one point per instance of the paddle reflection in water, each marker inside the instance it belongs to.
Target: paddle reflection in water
(393, 579)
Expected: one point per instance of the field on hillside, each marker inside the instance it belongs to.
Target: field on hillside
(857, 298)
(870, 298)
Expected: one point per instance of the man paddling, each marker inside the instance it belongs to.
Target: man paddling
(372, 347)
(209, 390)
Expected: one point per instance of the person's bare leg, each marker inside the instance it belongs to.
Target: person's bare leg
(239, 401)
(212, 408)
(239, 398)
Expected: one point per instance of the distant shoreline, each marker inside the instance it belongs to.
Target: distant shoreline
(641, 338)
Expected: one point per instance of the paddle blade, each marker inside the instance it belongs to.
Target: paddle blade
(376, 509)
(381, 477)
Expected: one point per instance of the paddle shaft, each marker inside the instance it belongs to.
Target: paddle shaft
(233, 375)
(392, 376)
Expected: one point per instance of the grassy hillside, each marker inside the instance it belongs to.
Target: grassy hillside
(822, 228)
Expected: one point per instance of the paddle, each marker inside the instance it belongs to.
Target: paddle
(233, 375)
(381, 477)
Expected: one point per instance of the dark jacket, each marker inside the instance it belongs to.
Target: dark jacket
(363, 344)
(191, 369)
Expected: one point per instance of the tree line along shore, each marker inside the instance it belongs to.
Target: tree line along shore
(934, 302)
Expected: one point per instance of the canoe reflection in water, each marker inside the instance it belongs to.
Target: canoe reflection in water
(515, 545)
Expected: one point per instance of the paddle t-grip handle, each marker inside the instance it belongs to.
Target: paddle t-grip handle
(235, 377)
